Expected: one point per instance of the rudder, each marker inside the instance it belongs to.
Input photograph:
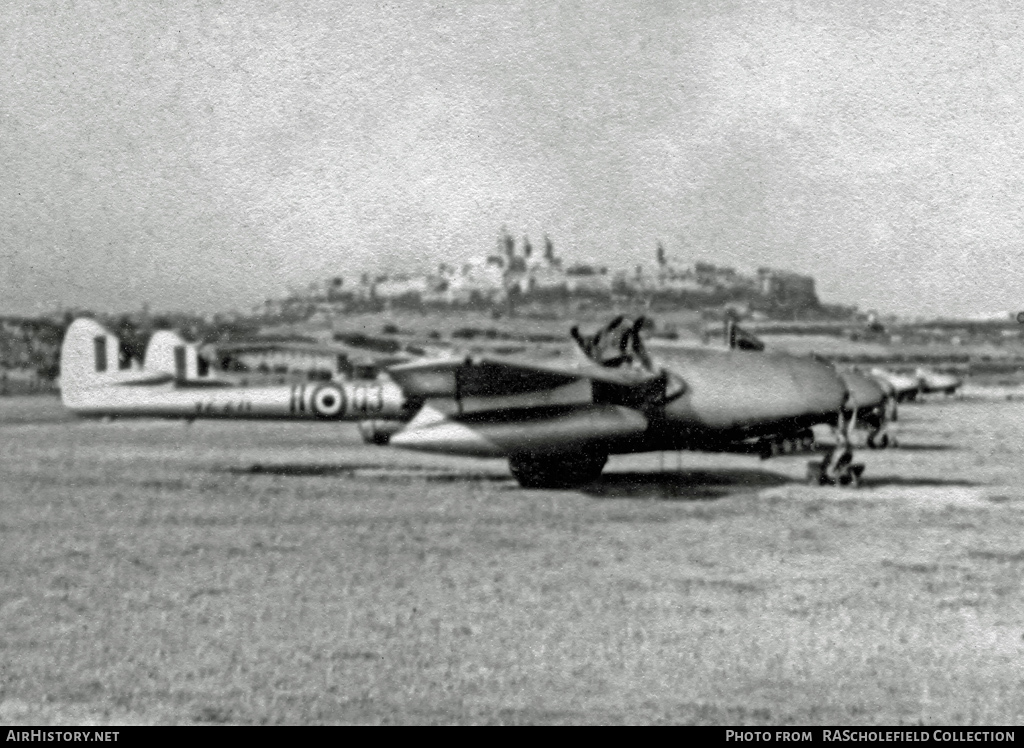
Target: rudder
(91, 357)
(169, 353)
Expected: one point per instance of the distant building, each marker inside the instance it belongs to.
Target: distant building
(479, 281)
(529, 273)
(401, 286)
(786, 289)
(588, 279)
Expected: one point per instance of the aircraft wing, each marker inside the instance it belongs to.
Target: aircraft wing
(495, 376)
(355, 354)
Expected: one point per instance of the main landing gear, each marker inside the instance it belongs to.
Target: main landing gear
(563, 470)
(778, 446)
(881, 440)
(878, 425)
(838, 469)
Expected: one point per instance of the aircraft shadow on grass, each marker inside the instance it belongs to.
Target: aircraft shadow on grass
(378, 471)
(684, 485)
(676, 485)
(881, 481)
(702, 485)
(695, 485)
(904, 447)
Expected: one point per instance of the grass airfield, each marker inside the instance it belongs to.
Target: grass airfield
(242, 572)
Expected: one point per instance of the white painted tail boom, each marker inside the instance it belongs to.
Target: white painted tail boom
(93, 384)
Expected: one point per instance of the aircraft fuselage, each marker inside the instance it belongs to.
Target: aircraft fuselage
(705, 400)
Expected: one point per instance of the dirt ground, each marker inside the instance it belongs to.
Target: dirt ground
(157, 572)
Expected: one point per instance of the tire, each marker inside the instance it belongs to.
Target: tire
(851, 475)
(815, 473)
(377, 432)
(878, 441)
(565, 470)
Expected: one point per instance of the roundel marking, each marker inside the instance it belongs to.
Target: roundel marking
(328, 401)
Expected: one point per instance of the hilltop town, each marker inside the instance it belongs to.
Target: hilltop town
(515, 279)
(519, 293)
(518, 276)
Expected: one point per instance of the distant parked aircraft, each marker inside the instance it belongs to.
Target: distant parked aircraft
(933, 381)
(907, 386)
(736, 338)
(873, 406)
(870, 406)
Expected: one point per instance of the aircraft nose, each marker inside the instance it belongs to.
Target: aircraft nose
(819, 385)
(864, 392)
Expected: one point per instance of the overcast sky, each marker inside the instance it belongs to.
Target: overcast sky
(208, 155)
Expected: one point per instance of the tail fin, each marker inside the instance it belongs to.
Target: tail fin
(736, 338)
(169, 353)
(91, 357)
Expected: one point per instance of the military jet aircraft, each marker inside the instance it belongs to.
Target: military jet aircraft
(736, 338)
(872, 407)
(907, 386)
(555, 422)
(932, 381)
(871, 404)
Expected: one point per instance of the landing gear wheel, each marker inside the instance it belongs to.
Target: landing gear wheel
(374, 432)
(816, 473)
(837, 466)
(564, 470)
(850, 475)
(836, 471)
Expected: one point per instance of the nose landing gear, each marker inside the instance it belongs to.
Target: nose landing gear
(878, 425)
(838, 469)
